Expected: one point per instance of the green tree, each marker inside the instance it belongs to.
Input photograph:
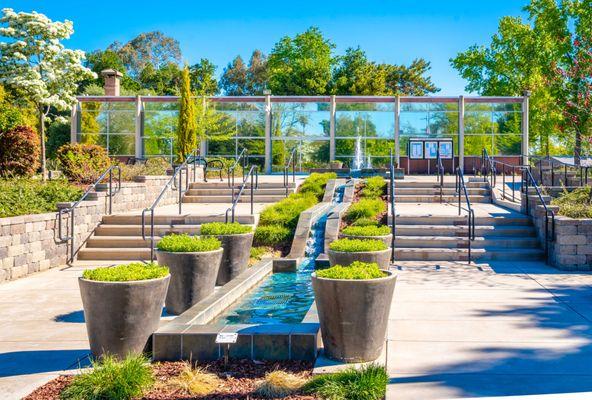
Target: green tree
(203, 81)
(239, 79)
(162, 81)
(301, 65)
(187, 125)
(100, 60)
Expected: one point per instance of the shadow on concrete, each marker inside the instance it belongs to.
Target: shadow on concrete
(558, 363)
(33, 362)
(72, 317)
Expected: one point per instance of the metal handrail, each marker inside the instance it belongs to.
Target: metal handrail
(440, 172)
(254, 175)
(490, 168)
(462, 187)
(392, 200)
(291, 161)
(553, 161)
(243, 155)
(177, 175)
(529, 178)
(72, 208)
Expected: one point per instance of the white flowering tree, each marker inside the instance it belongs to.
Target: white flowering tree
(37, 66)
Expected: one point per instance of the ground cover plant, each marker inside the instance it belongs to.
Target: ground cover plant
(188, 244)
(366, 383)
(356, 270)
(365, 208)
(278, 221)
(373, 187)
(357, 245)
(28, 196)
(258, 252)
(575, 204)
(126, 272)
(111, 379)
(365, 222)
(221, 228)
(369, 230)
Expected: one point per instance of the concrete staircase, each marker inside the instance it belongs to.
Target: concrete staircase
(119, 237)
(219, 192)
(429, 192)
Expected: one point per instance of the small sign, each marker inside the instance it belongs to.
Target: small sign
(446, 149)
(431, 150)
(416, 150)
(226, 337)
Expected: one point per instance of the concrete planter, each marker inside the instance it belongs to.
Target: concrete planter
(193, 277)
(382, 257)
(121, 316)
(354, 316)
(386, 239)
(235, 258)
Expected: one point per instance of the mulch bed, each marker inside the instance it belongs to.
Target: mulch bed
(240, 383)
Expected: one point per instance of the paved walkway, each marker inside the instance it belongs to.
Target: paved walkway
(493, 330)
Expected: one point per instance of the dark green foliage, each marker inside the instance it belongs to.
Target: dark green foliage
(19, 152)
(58, 134)
(272, 235)
(365, 208)
(23, 196)
(357, 245)
(366, 383)
(316, 183)
(369, 230)
(188, 244)
(220, 228)
(111, 379)
(357, 270)
(126, 272)
(83, 162)
(373, 187)
(187, 125)
(575, 204)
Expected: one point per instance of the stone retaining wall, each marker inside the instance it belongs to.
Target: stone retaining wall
(571, 246)
(30, 243)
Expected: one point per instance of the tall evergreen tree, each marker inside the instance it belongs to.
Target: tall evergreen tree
(187, 125)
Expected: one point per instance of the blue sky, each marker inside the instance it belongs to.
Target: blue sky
(395, 31)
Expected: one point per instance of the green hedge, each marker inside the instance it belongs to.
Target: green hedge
(188, 244)
(370, 230)
(373, 187)
(220, 228)
(26, 196)
(316, 183)
(126, 272)
(356, 271)
(356, 245)
(287, 211)
(365, 208)
(272, 235)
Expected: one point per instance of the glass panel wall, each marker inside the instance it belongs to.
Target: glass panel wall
(109, 124)
(493, 126)
(160, 125)
(304, 126)
(365, 128)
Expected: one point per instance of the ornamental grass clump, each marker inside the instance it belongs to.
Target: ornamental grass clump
(188, 244)
(112, 379)
(196, 382)
(365, 208)
(373, 187)
(220, 228)
(126, 272)
(357, 245)
(366, 383)
(369, 230)
(575, 204)
(279, 384)
(356, 271)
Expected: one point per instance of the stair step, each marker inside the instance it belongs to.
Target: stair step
(434, 184)
(228, 192)
(136, 230)
(130, 253)
(436, 191)
(119, 241)
(237, 183)
(436, 198)
(461, 242)
(226, 199)
(174, 219)
(459, 230)
(447, 254)
(460, 220)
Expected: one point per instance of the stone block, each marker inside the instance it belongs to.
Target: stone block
(18, 272)
(20, 260)
(584, 249)
(570, 260)
(16, 250)
(200, 347)
(166, 347)
(17, 229)
(561, 230)
(565, 249)
(271, 347)
(572, 239)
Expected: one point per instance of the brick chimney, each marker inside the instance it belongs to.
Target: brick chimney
(112, 79)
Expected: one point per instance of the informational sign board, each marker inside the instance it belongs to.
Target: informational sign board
(446, 149)
(226, 338)
(416, 150)
(427, 149)
(431, 150)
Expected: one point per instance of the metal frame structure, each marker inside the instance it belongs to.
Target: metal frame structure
(332, 107)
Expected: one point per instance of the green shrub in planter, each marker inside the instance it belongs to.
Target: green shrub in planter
(220, 228)
(365, 222)
(365, 208)
(370, 230)
(112, 379)
(272, 235)
(356, 270)
(357, 245)
(287, 211)
(374, 187)
(366, 383)
(126, 272)
(188, 244)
